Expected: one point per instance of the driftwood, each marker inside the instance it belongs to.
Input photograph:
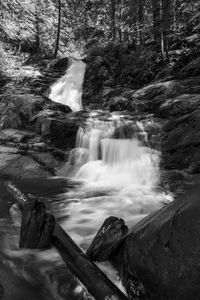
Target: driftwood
(96, 282)
(107, 239)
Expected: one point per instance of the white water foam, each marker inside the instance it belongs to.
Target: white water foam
(68, 89)
(118, 176)
(117, 162)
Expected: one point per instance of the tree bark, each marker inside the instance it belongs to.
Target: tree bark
(156, 20)
(113, 19)
(166, 23)
(140, 20)
(37, 25)
(58, 29)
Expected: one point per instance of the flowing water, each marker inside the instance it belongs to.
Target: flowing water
(68, 89)
(116, 174)
(111, 171)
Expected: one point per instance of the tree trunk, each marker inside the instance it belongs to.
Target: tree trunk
(37, 20)
(140, 21)
(113, 19)
(58, 29)
(156, 21)
(166, 23)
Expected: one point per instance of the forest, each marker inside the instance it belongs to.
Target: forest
(99, 149)
(159, 30)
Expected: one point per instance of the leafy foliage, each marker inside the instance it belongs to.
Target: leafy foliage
(135, 35)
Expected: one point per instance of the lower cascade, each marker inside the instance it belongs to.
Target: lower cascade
(117, 174)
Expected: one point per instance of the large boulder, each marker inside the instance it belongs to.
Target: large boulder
(179, 106)
(59, 129)
(15, 135)
(97, 74)
(181, 141)
(118, 103)
(153, 97)
(16, 109)
(22, 166)
(190, 69)
(164, 250)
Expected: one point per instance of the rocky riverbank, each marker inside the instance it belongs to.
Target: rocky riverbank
(36, 133)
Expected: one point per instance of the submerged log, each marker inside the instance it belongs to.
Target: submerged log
(96, 282)
(107, 239)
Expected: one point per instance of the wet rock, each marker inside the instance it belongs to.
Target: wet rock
(120, 103)
(177, 181)
(59, 107)
(62, 132)
(181, 140)
(15, 110)
(191, 69)
(22, 167)
(164, 248)
(78, 156)
(2, 293)
(40, 146)
(107, 239)
(15, 136)
(155, 97)
(179, 106)
(65, 285)
(7, 156)
(48, 160)
(59, 128)
(98, 74)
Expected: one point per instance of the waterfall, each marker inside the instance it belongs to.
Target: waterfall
(117, 174)
(68, 89)
(112, 169)
(118, 162)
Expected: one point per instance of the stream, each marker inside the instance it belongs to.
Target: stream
(111, 171)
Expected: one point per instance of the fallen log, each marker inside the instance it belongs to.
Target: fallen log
(95, 281)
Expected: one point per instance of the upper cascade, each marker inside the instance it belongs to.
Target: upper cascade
(68, 89)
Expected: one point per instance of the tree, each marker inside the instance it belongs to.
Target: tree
(156, 20)
(113, 19)
(140, 20)
(37, 26)
(165, 28)
(58, 29)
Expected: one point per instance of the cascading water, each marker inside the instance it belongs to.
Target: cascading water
(117, 174)
(117, 163)
(112, 171)
(68, 89)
